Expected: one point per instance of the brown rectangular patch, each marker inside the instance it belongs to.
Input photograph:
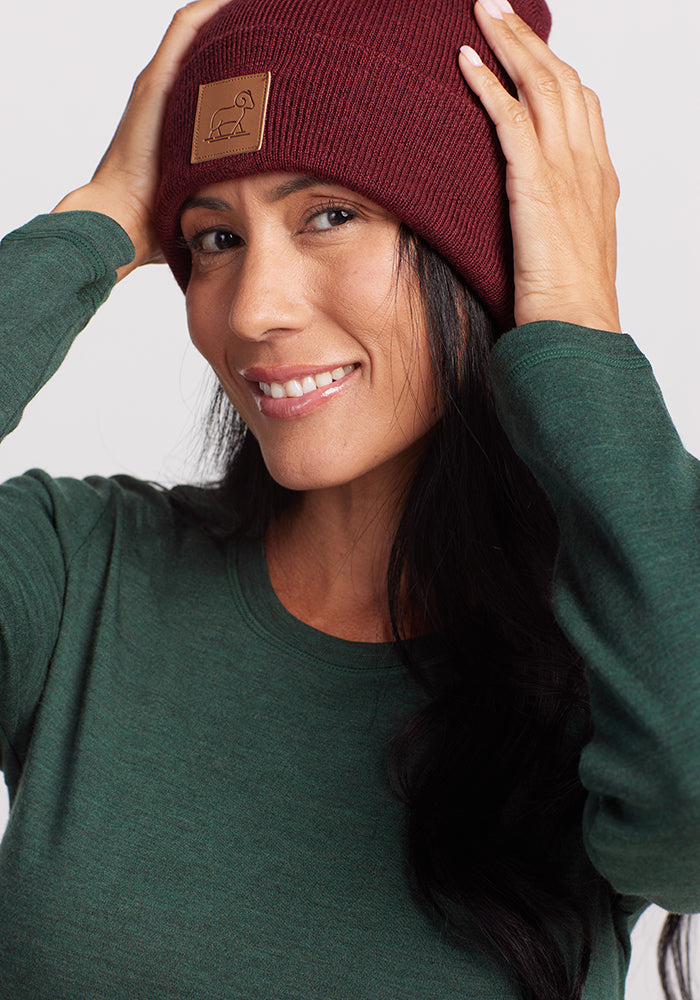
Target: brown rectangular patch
(230, 117)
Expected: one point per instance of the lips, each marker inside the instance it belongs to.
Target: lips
(287, 392)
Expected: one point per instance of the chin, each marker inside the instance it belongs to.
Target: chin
(306, 477)
(331, 466)
(318, 465)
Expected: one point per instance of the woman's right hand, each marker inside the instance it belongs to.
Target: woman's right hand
(125, 183)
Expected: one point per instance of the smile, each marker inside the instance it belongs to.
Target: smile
(300, 387)
(280, 396)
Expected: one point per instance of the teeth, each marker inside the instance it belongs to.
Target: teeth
(293, 388)
(296, 388)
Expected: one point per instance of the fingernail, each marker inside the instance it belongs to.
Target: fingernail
(496, 8)
(473, 57)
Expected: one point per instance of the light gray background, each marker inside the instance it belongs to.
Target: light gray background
(132, 390)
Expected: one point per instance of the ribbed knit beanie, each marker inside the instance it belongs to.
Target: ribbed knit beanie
(365, 93)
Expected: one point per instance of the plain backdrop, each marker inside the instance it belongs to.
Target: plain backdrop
(131, 394)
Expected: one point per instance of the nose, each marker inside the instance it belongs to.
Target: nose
(268, 294)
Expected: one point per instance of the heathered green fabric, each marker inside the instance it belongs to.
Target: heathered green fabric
(199, 801)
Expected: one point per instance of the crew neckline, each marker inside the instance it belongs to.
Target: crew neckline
(256, 599)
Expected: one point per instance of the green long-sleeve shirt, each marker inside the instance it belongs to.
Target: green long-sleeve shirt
(199, 800)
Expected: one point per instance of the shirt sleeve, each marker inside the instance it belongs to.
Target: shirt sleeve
(582, 408)
(54, 273)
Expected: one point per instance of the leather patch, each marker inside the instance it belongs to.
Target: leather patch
(230, 117)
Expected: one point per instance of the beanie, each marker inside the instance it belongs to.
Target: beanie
(364, 93)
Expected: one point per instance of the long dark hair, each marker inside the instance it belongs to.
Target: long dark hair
(488, 767)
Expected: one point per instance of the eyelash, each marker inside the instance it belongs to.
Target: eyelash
(192, 243)
(325, 208)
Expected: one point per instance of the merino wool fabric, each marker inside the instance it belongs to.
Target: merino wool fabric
(367, 95)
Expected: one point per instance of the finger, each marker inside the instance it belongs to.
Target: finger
(183, 29)
(600, 142)
(611, 184)
(141, 122)
(537, 85)
(548, 87)
(514, 126)
(491, 17)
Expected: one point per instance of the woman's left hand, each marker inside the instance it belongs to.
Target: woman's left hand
(560, 182)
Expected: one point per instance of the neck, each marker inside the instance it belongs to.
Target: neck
(328, 559)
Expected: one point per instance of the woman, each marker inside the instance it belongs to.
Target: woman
(200, 689)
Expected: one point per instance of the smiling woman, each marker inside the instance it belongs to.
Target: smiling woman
(295, 281)
(404, 702)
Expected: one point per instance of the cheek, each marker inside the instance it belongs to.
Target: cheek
(359, 296)
(388, 321)
(397, 336)
(205, 322)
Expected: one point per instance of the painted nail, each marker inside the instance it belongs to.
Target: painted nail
(496, 8)
(469, 54)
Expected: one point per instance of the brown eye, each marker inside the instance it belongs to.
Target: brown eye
(331, 218)
(215, 241)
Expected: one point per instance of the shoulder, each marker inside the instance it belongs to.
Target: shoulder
(96, 509)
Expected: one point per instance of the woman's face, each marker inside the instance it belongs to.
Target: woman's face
(294, 302)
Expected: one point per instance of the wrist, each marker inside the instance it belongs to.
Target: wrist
(91, 198)
(605, 319)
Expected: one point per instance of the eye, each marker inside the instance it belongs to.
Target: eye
(212, 241)
(330, 217)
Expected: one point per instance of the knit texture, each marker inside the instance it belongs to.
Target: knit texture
(370, 96)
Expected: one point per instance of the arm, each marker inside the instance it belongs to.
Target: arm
(55, 272)
(583, 410)
(581, 407)
(60, 268)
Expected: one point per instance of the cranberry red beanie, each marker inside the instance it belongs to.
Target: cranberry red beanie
(366, 93)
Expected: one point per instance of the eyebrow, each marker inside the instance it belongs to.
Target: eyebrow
(215, 204)
(277, 194)
(291, 187)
